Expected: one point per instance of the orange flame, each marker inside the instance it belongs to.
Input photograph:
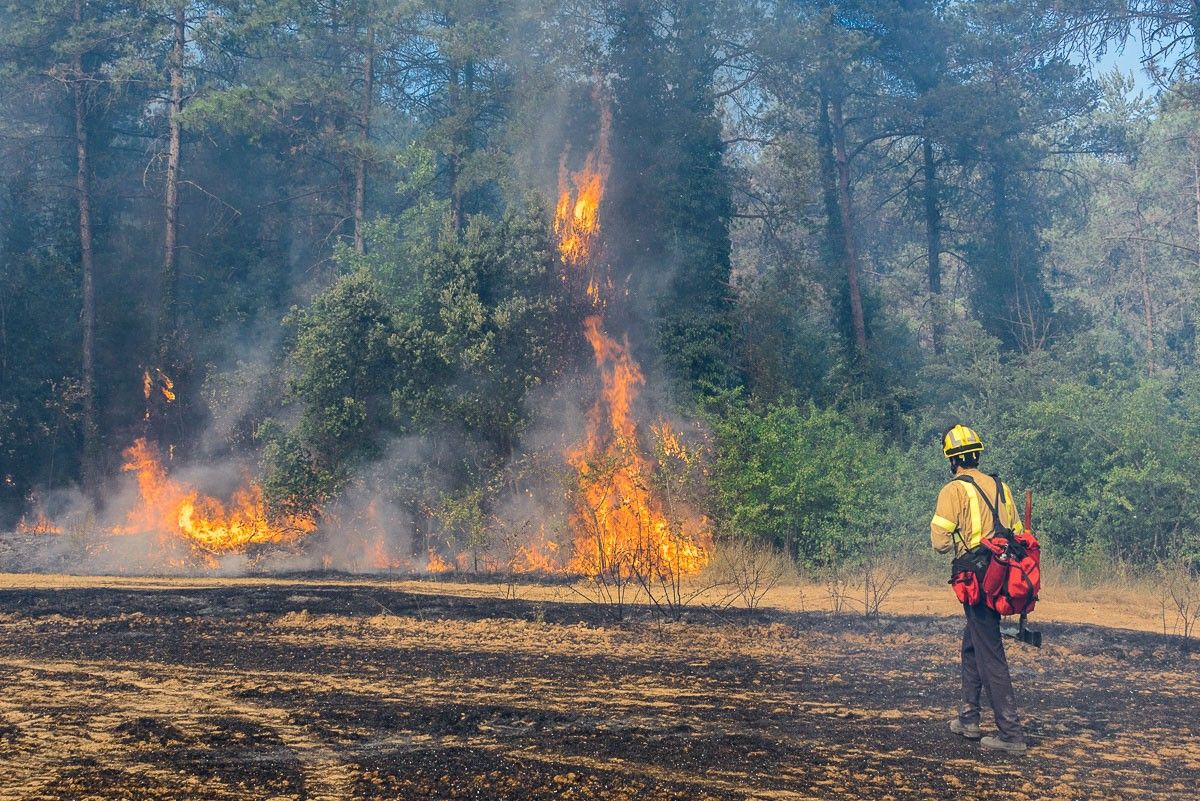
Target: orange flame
(438, 563)
(172, 509)
(168, 386)
(40, 524)
(577, 212)
(621, 524)
(377, 556)
(537, 557)
(377, 552)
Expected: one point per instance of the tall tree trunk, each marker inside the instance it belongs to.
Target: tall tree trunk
(834, 241)
(455, 97)
(91, 439)
(933, 243)
(364, 141)
(933, 220)
(833, 233)
(170, 271)
(461, 93)
(1147, 302)
(1147, 307)
(1195, 143)
(1000, 238)
(1002, 302)
(851, 251)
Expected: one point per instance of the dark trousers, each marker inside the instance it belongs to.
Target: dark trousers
(984, 665)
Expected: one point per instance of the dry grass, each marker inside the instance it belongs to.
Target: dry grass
(339, 688)
(1066, 597)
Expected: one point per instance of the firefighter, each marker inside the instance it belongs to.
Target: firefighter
(962, 520)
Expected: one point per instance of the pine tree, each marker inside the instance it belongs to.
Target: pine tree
(671, 200)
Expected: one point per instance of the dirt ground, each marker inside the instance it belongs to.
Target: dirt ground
(310, 688)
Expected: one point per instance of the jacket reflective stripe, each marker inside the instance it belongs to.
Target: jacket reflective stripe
(1009, 505)
(1006, 508)
(976, 535)
(943, 523)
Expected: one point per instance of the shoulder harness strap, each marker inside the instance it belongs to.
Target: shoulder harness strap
(992, 507)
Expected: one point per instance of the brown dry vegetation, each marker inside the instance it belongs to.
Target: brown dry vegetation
(372, 689)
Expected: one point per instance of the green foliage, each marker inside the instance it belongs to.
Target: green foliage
(787, 347)
(294, 483)
(1113, 464)
(343, 366)
(452, 343)
(811, 480)
(38, 284)
(465, 520)
(671, 192)
(481, 322)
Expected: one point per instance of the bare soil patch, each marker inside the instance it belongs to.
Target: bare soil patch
(360, 689)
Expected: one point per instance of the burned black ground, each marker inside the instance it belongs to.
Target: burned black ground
(306, 689)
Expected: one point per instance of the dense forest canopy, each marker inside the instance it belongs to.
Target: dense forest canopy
(319, 239)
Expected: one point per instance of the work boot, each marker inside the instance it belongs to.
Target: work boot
(968, 730)
(997, 744)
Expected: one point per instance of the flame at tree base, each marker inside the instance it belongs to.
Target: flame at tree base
(622, 525)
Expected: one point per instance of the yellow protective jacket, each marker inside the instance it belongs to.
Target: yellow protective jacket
(962, 518)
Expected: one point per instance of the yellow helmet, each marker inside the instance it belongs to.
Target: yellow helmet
(960, 440)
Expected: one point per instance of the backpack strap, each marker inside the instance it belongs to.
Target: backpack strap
(1000, 495)
(957, 535)
(992, 507)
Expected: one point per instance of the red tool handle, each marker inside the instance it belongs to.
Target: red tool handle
(1028, 511)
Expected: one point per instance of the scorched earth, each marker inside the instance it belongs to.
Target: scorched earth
(360, 689)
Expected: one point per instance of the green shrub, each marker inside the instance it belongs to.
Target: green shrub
(811, 481)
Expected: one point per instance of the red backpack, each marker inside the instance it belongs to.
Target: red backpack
(1012, 578)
